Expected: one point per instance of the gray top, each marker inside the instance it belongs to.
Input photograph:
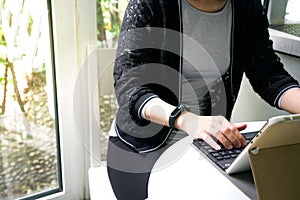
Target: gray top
(206, 52)
(206, 59)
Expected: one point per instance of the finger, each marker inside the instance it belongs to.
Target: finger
(210, 141)
(227, 144)
(234, 134)
(241, 138)
(231, 133)
(240, 127)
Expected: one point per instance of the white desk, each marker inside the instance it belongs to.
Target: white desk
(184, 176)
(191, 176)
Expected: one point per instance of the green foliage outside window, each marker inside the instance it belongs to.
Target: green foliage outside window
(109, 17)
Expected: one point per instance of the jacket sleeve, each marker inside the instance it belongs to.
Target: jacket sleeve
(266, 72)
(139, 74)
(132, 55)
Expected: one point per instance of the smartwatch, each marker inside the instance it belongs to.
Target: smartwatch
(175, 114)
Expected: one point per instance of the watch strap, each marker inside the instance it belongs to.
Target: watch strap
(176, 113)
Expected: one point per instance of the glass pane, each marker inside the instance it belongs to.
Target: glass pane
(109, 18)
(284, 16)
(29, 149)
(107, 102)
(108, 108)
(292, 11)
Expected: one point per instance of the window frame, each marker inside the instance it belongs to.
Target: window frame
(73, 33)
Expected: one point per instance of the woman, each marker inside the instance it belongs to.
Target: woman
(178, 69)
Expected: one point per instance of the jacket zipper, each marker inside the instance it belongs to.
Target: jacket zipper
(231, 52)
(180, 51)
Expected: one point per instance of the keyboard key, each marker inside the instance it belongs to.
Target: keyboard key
(224, 164)
(215, 154)
(212, 151)
(250, 135)
(237, 151)
(219, 158)
(234, 155)
(230, 152)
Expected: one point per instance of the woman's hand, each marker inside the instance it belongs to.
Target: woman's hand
(208, 128)
(211, 129)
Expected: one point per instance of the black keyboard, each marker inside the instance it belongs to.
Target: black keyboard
(223, 157)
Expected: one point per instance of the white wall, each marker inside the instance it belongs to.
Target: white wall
(250, 107)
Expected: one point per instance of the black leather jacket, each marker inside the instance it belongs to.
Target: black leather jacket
(149, 58)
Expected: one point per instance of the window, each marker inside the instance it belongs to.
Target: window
(73, 29)
(109, 17)
(284, 16)
(29, 136)
(292, 14)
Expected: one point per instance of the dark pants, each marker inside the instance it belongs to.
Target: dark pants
(129, 171)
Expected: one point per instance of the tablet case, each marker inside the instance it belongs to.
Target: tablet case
(275, 160)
